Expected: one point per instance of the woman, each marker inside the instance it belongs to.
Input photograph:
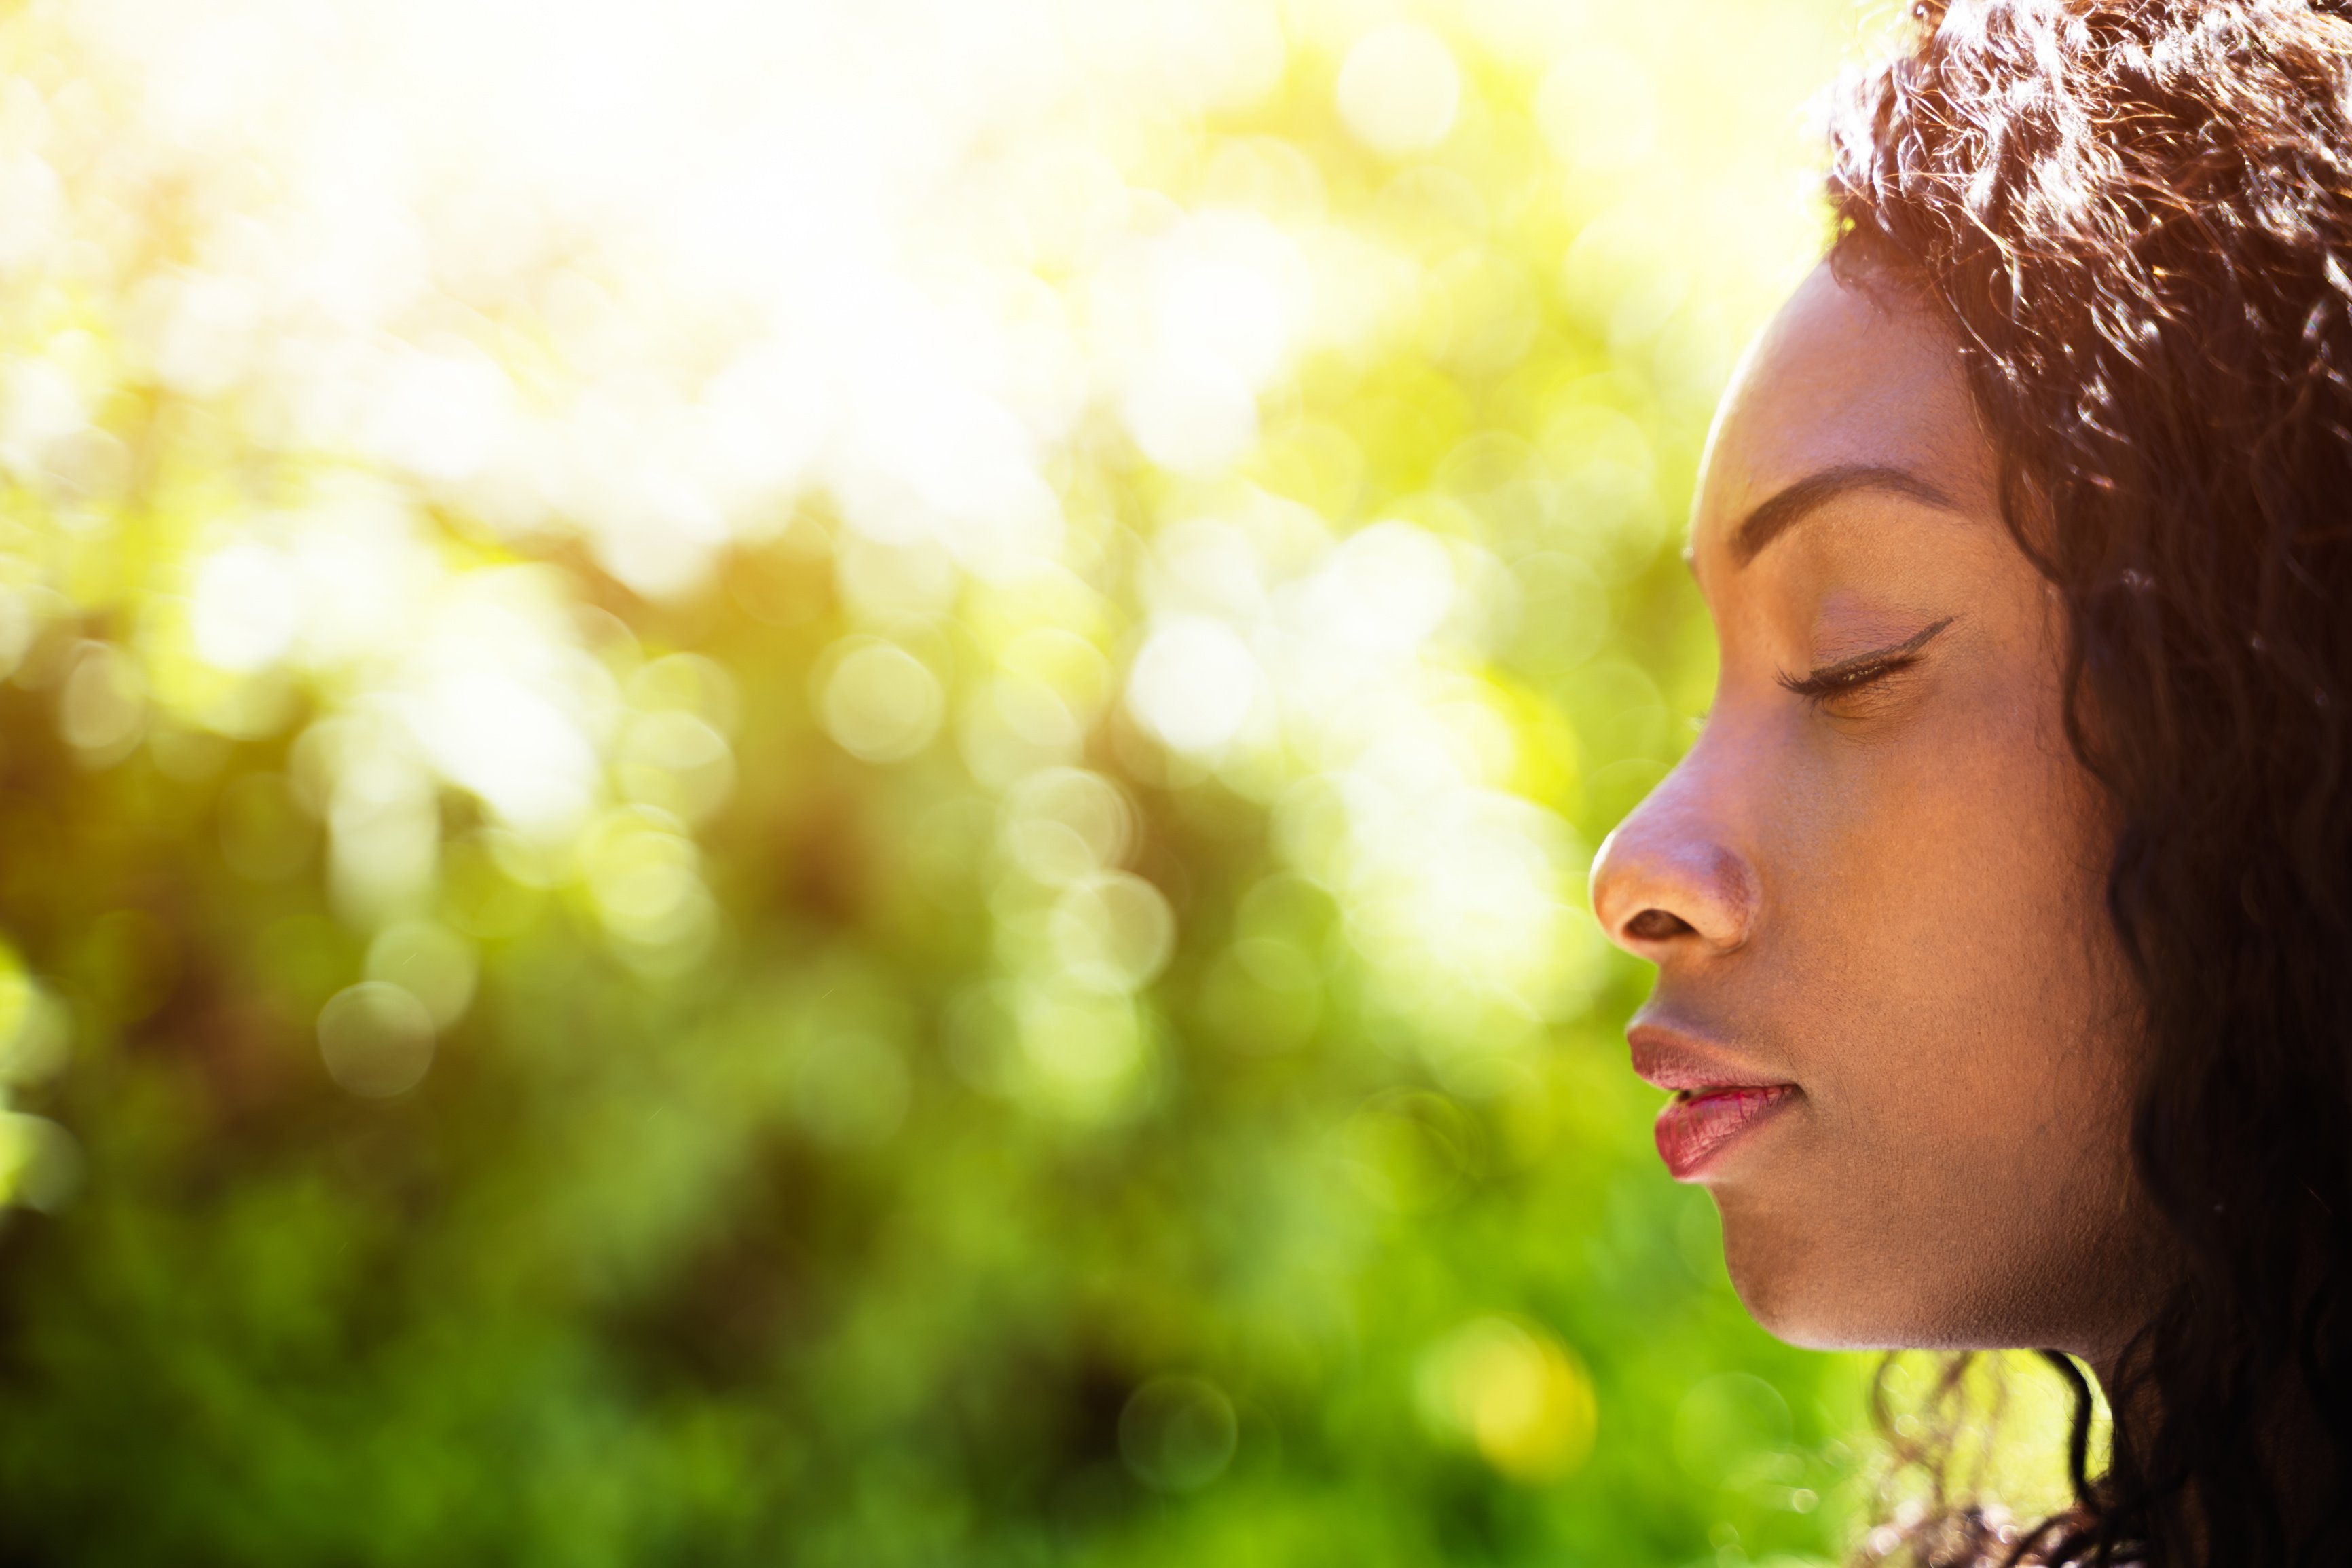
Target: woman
(2003, 910)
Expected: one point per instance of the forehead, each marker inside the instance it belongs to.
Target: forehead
(1841, 376)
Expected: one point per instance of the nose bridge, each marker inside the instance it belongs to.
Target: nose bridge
(1679, 853)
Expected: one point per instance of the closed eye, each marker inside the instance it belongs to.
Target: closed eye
(1851, 675)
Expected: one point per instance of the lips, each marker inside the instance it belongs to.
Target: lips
(1698, 1125)
(1719, 1097)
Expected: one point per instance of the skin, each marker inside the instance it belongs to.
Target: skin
(1889, 895)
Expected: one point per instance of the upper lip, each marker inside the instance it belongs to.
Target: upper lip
(1667, 1057)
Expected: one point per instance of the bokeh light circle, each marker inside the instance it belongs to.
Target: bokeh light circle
(376, 1038)
(1177, 1433)
(879, 703)
(1400, 89)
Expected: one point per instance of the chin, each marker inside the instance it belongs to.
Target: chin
(1795, 1316)
(1784, 1309)
(1820, 1288)
(1804, 1289)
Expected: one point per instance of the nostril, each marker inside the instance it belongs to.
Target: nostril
(1655, 925)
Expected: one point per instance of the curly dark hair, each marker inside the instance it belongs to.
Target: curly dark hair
(2136, 217)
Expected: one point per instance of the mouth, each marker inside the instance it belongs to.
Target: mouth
(1717, 1099)
(1699, 1124)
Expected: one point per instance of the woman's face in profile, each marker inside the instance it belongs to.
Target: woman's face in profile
(1890, 1006)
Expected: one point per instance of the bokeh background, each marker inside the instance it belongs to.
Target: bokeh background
(809, 783)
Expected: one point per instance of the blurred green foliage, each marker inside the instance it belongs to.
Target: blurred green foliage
(832, 1043)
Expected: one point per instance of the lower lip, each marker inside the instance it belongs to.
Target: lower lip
(1694, 1130)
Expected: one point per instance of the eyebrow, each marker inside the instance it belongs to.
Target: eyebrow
(1793, 506)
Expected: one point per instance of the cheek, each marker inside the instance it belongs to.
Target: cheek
(1942, 974)
(1943, 906)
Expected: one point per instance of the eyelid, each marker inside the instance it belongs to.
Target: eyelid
(1845, 673)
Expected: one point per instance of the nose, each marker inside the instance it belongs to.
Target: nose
(1670, 881)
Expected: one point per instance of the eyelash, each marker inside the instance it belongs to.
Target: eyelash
(1820, 688)
(1854, 674)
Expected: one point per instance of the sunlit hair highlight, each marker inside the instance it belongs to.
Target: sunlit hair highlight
(2137, 220)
